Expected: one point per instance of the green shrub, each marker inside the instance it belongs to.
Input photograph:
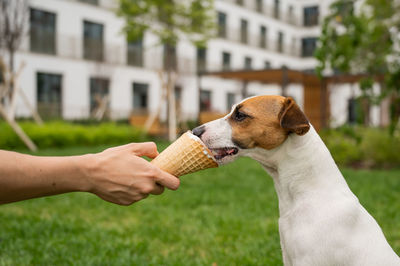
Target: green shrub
(63, 134)
(362, 146)
(380, 148)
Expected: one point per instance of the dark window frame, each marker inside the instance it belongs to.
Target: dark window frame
(311, 16)
(99, 86)
(49, 94)
(226, 60)
(42, 31)
(93, 47)
(91, 2)
(244, 31)
(222, 25)
(134, 53)
(308, 46)
(143, 104)
(173, 56)
(260, 6)
(263, 36)
(230, 100)
(277, 9)
(201, 59)
(248, 63)
(280, 42)
(205, 104)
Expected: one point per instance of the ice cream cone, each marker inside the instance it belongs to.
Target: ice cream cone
(186, 155)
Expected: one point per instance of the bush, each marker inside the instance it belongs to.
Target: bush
(63, 134)
(361, 146)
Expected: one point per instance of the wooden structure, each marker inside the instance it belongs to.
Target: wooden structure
(140, 120)
(316, 98)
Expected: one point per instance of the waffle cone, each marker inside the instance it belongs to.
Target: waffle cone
(186, 155)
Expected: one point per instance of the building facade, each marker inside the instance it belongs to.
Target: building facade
(75, 54)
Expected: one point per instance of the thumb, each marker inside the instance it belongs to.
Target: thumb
(148, 149)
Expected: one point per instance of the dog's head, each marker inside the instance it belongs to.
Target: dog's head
(257, 122)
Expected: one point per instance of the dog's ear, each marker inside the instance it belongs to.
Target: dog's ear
(292, 118)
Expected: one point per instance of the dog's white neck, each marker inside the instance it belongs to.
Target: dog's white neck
(301, 167)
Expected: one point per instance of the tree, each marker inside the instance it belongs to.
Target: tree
(13, 26)
(170, 21)
(363, 37)
(13, 22)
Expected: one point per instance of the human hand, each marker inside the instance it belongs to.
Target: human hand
(119, 175)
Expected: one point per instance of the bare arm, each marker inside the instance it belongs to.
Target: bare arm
(118, 175)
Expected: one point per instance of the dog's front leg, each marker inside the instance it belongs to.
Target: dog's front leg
(285, 257)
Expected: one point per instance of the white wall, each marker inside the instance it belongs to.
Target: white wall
(76, 71)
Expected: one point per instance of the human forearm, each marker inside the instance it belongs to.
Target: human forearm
(118, 175)
(25, 176)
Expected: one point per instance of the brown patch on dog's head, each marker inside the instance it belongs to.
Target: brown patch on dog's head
(266, 121)
(293, 119)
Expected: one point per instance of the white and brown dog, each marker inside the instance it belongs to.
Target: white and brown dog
(321, 221)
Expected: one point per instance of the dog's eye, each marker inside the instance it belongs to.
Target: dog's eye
(239, 116)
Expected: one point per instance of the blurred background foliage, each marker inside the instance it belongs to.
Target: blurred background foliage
(364, 38)
(365, 147)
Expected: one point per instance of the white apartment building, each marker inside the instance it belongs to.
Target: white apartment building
(75, 50)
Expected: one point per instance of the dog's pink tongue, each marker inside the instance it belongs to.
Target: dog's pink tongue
(230, 151)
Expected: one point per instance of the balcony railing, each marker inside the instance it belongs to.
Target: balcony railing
(269, 10)
(254, 40)
(71, 47)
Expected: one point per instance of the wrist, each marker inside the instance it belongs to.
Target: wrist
(86, 169)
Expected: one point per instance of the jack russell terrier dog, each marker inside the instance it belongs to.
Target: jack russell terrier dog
(321, 221)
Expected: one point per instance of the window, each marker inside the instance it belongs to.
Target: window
(221, 25)
(263, 37)
(230, 100)
(247, 62)
(49, 95)
(99, 90)
(226, 61)
(93, 2)
(308, 46)
(291, 17)
(280, 42)
(357, 110)
(201, 59)
(140, 97)
(93, 45)
(170, 61)
(205, 100)
(267, 65)
(42, 32)
(259, 6)
(311, 15)
(277, 10)
(243, 31)
(135, 53)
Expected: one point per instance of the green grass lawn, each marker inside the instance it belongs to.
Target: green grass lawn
(226, 216)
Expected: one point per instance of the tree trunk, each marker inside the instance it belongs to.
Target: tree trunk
(11, 71)
(170, 65)
(171, 108)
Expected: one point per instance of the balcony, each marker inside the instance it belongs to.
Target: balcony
(268, 10)
(269, 44)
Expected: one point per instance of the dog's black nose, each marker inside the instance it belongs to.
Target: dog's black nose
(198, 131)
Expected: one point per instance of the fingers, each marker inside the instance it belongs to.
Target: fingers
(148, 149)
(165, 179)
(158, 189)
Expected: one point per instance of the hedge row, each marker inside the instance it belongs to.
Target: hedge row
(65, 134)
(363, 147)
